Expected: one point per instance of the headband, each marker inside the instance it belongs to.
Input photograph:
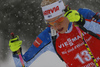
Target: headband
(53, 10)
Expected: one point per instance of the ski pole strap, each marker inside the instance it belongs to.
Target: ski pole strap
(80, 33)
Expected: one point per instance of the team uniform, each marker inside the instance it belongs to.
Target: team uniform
(73, 50)
(69, 46)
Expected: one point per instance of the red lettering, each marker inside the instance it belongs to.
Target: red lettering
(57, 8)
(54, 9)
(46, 12)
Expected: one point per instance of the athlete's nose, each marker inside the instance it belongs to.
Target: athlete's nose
(57, 25)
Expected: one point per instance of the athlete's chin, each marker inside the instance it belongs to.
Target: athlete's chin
(62, 32)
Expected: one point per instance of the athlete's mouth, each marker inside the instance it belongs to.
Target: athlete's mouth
(59, 30)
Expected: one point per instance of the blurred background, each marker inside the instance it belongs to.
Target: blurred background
(24, 18)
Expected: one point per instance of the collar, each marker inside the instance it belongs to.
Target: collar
(69, 28)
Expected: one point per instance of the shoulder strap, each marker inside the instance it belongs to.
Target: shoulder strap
(54, 36)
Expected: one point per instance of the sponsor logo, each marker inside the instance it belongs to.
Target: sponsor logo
(70, 41)
(37, 42)
(50, 11)
(90, 65)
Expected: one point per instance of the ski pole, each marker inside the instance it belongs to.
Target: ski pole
(19, 53)
(80, 33)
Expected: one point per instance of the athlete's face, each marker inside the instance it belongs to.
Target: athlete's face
(60, 23)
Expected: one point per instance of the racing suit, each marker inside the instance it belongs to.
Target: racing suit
(44, 43)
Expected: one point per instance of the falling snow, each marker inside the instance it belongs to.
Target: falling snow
(24, 18)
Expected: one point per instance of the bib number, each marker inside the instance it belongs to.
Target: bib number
(83, 56)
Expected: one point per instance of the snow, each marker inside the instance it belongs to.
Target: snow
(8, 63)
(48, 59)
(23, 17)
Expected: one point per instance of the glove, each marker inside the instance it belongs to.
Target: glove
(72, 15)
(15, 44)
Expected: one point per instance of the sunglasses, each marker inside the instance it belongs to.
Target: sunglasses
(57, 20)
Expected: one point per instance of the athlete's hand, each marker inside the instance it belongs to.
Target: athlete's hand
(15, 44)
(72, 15)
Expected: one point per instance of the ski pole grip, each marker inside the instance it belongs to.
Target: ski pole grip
(12, 34)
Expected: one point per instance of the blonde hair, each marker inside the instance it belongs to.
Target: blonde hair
(47, 2)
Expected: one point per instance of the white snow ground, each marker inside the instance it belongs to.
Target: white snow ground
(48, 59)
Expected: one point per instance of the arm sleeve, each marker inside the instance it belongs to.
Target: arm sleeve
(44, 42)
(92, 26)
(86, 13)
